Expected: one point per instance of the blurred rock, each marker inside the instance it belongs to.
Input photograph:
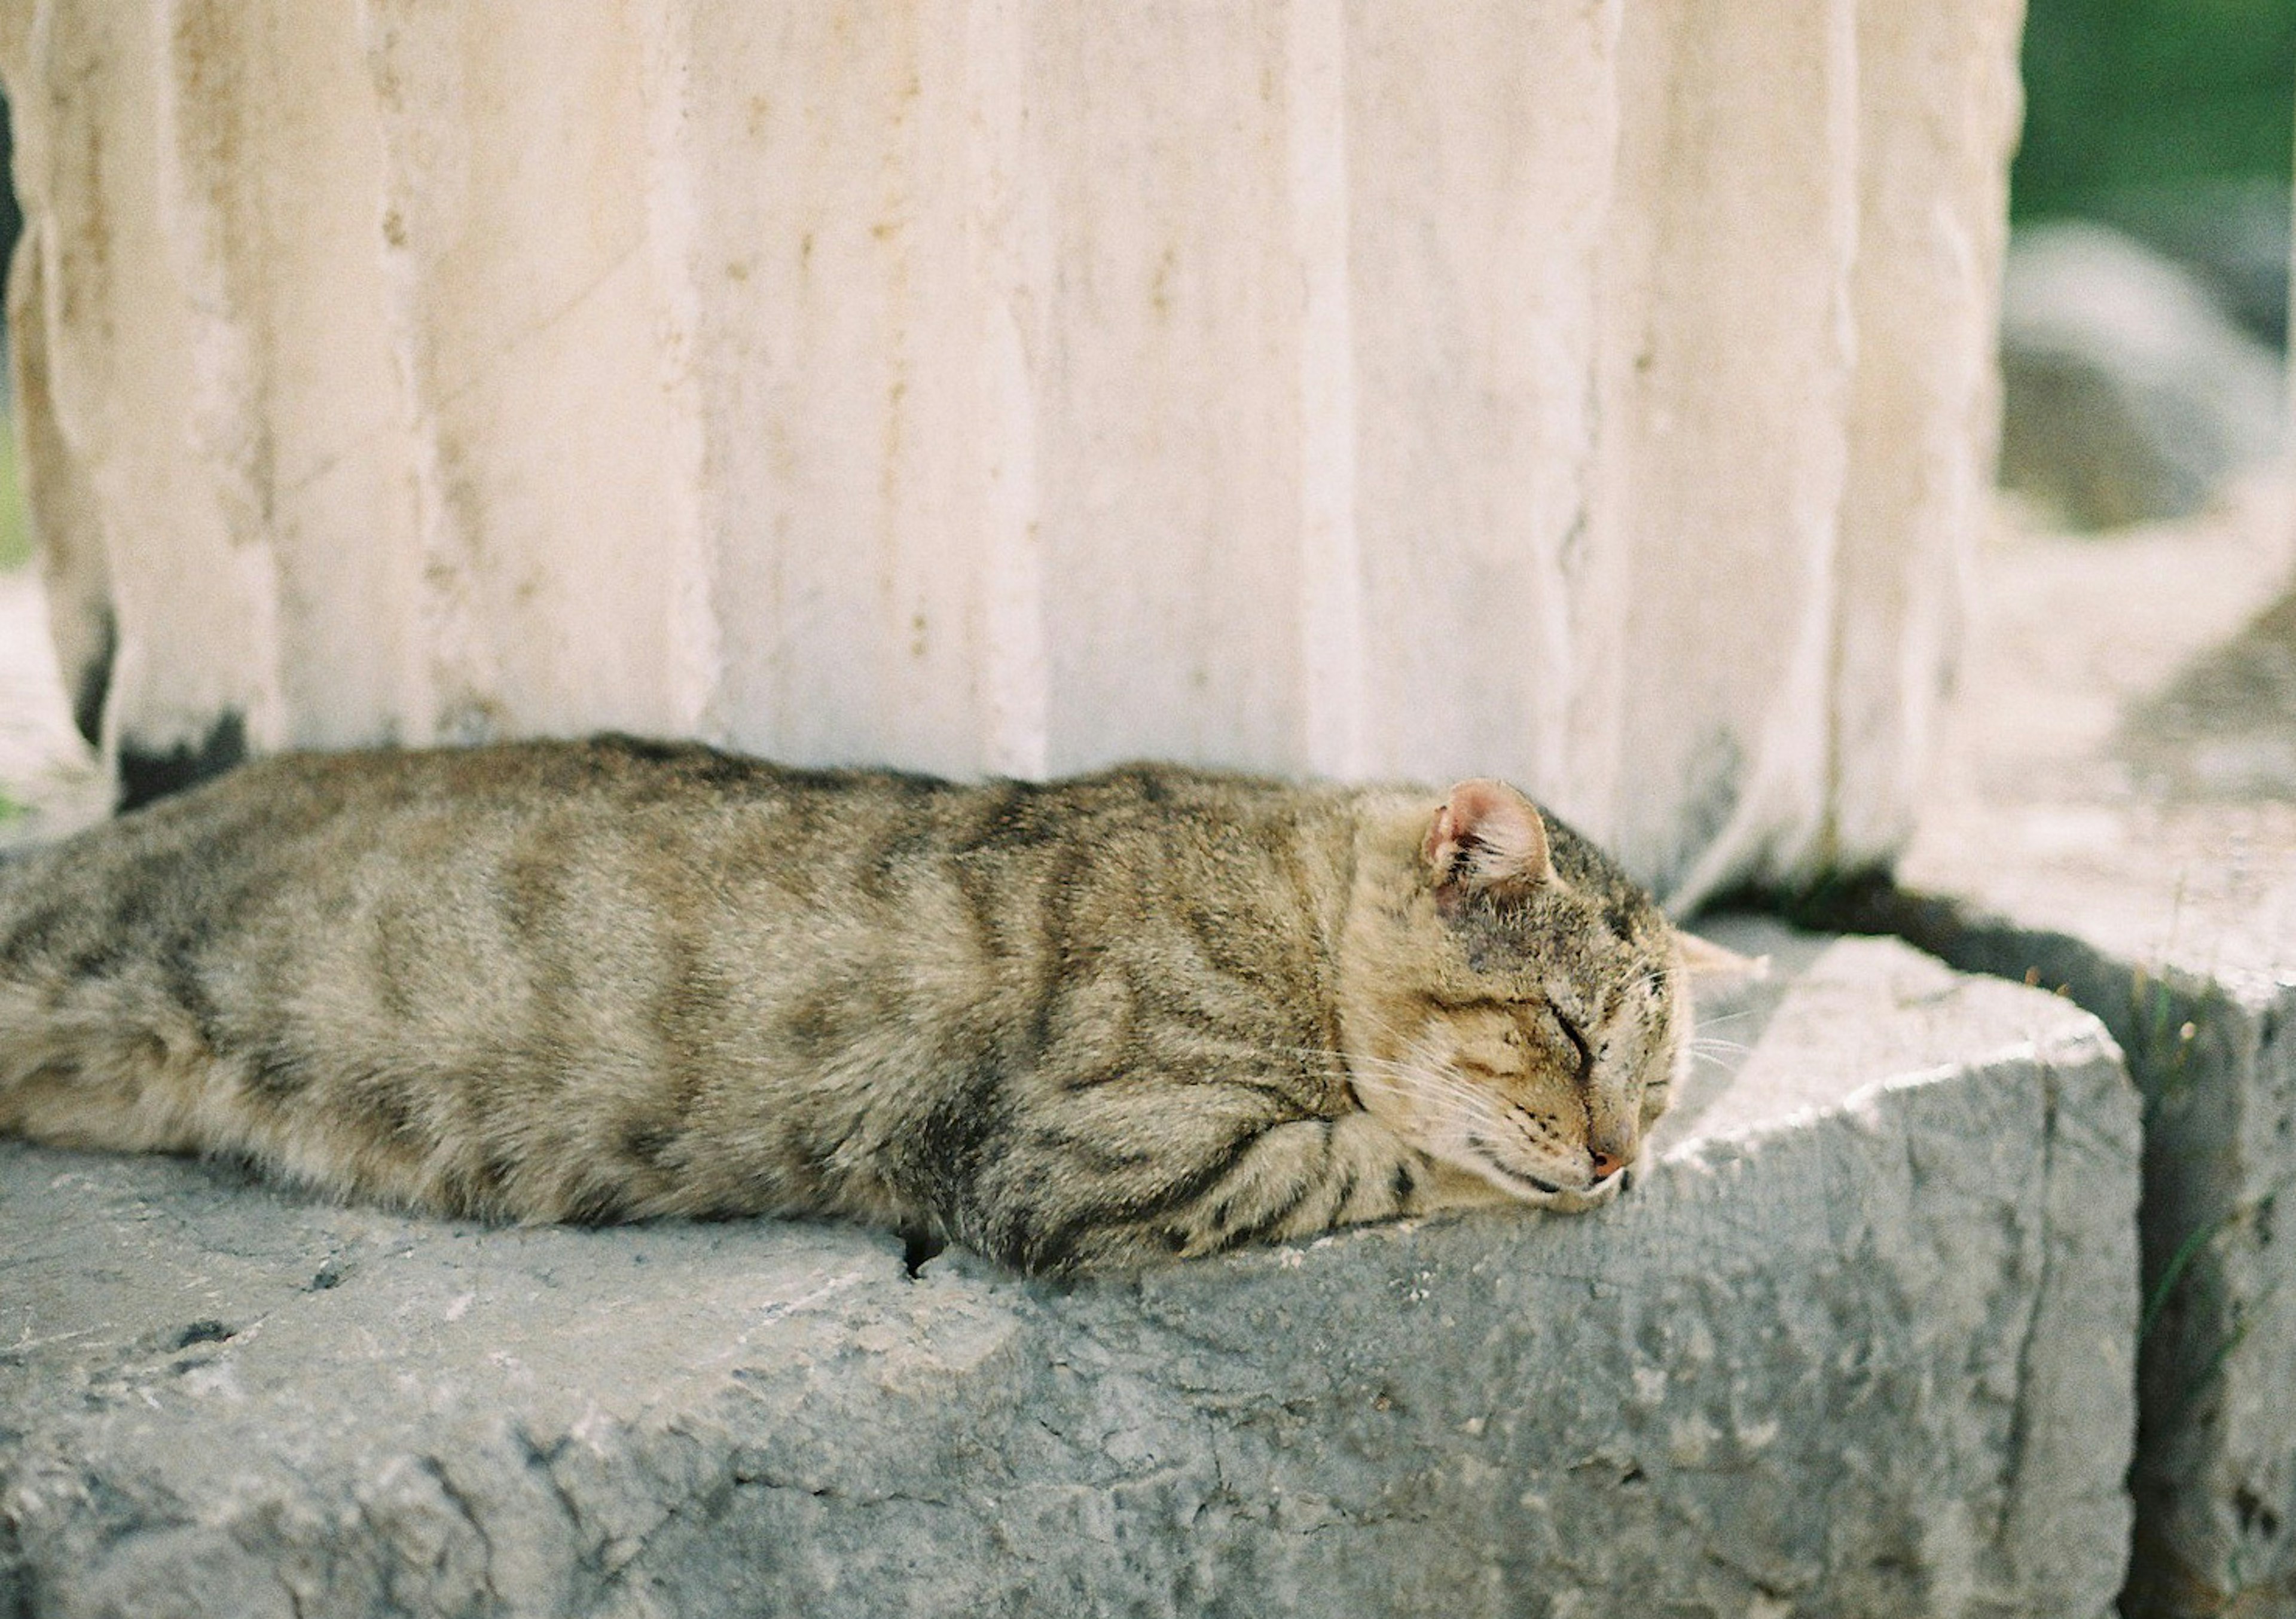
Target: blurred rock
(2129, 395)
(2233, 233)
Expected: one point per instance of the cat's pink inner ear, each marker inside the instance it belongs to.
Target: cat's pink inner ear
(1487, 834)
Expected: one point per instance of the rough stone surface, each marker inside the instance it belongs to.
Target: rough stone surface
(2119, 820)
(1860, 1343)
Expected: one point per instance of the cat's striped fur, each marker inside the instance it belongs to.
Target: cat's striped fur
(1078, 1026)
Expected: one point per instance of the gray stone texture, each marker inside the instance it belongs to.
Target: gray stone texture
(1859, 1344)
(2213, 1050)
(2120, 822)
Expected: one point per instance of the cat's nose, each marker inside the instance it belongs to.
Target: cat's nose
(1606, 1164)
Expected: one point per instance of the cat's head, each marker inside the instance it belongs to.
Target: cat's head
(1514, 1004)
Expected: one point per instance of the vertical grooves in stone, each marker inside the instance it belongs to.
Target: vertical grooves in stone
(1010, 270)
(411, 61)
(1331, 648)
(1937, 116)
(695, 523)
(1787, 804)
(1602, 576)
(67, 527)
(69, 532)
(56, 174)
(1570, 564)
(1782, 802)
(212, 216)
(132, 332)
(1730, 397)
(1281, 385)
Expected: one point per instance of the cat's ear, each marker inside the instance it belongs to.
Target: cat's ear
(1704, 959)
(1486, 837)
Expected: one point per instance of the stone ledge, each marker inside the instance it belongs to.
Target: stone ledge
(2118, 819)
(2178, 952)
(1860, 1343)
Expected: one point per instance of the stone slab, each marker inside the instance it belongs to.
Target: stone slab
(1859, 1342)
(2119, 820)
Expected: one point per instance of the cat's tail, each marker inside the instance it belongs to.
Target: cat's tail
(103, 1065)
(88, 1058)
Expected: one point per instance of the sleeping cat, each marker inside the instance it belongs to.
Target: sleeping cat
(1077, 1026)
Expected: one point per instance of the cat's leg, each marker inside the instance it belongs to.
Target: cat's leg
(1294, 1179)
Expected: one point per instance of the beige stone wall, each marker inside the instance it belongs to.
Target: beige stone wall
(1595, 394)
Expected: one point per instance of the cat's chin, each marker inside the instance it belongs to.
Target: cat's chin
(1542, 1193)
(1594, 1197)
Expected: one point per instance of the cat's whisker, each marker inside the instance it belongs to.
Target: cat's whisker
(1339, 1067)
(1429, 1076)
(1467, 1098)
(1466, 1093)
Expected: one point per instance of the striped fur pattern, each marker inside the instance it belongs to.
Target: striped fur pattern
(1083, 1025)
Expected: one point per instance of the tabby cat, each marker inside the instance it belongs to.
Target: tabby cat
(1077, 1027)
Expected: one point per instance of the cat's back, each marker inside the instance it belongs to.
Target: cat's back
(295, 827)
(441, 886)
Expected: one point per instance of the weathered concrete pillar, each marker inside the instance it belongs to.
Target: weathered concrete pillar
(1590, 394)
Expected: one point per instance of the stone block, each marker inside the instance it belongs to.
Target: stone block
(2118, 824)
(1859, 1342)
(2190, 963)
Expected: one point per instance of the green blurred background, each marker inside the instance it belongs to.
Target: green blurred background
(15, 531)
(2171, 119)
(2127, 96)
